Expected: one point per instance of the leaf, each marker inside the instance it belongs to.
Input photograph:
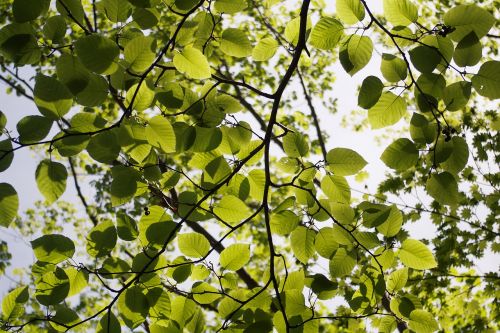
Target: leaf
(52, 98)
(459, 157)
(387, 111)
(235, 43)
(55, 28)
(52, 287)
(397, 280)
(421, 130)
(456, 95)
(302, 242)
(345, 162)
(400, 155)
(160, 134)
(336, 188)
(425, 58)
(126, 226)
(3, 121)
(28, 10)
(98, 53)
(469, 51)
(13, 303)
(140, 53)
(33, 128)
(116, 10)
(103, 147)
(18, 44)
(53, 248)
(422, 321)
(392, 224)
(51, 179)
(443, 188)
(342, 263)
(265, 49)
(326, 34)
(414, 254)
(356, 53)
(370, 92)
(230, 6)
(393, 68)
(232, 210)
(468, 19)
(101, 239)
(487, 80)
(325, 243)
(192, 63)
(295, 145)
(193, 245)
(292, 30)
(284, 222)
(63, 318)
(133, 306)
(9, 204)
(123, 185)
(78, 280)
(350, 11)
(108, 323)
(235, 256)
(400, 12)
(140, 96)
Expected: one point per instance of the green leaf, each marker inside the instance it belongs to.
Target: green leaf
(326, 34)
(284, 222)
(235, 43)
(325, 243)
(108, 323)
(431, 84)
(63, 318)
(295, 145)
(457, 161)
(336, 188)
(115, 10)
(302, 242)
(52, 287)
(33, 128)
(18, 44)
(232, 210)
(400, 12)
(425, 58)
(397, 280)
(133, 306)
(3, 121)
(78, 280)
(160, 134)
(421, 130)
(487, 80)
(230, 6)
(393, 68)
(192, 63)
(193, 245)
(456, 95)
(345, 162)
(53, 248)
(414, 254)
(265, 49)
(52, 98)
(387, 111)
(292, 30)
(146, 18)
(123, 185)
(422, 321)
(51, 179)
(350, 11)
(28, 10)
(468, 19)
(126, 226)
(342, 263)
(400, 155)
(55, 28)
(370, 92)
(104, 147)
(235, 256)
(204, 293)
(9, 204)
(98, 53)
(468, 52)
(141, 96)
(13, 303)
(443, 188)
(140, 53)
(72, 10)
(392, 224)
(101, 239)
(356, 53)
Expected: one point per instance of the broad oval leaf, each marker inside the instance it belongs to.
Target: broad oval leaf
(101, 240)
(265, 49)
(487, 80)
(400, 12)
(370, 92)
(140, 53)
(9, 204)
(98, 53)
(468, 19)
(443, 188)
(51, 179)
(232, 210)
(393, 68)
(356, 53)
(52, 287)
(387, 111)
(53, 248)
(400, 155)
(193, 245)
(193, 63)
(33, 128)
(13, 303)
(422, 321)
(235, 43)
(326, 33)
(235, 256)
(160, 134)
(295, 145)
(302, 242)
(350, 11)
(414, 254)
(345, 162)
(342, 263)
(52, 98)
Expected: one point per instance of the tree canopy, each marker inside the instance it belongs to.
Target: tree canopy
(220, 201)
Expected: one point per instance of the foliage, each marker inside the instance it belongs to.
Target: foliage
(216, 206)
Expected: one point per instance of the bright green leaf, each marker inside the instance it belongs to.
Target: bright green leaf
(414, 254)
(51, 179)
